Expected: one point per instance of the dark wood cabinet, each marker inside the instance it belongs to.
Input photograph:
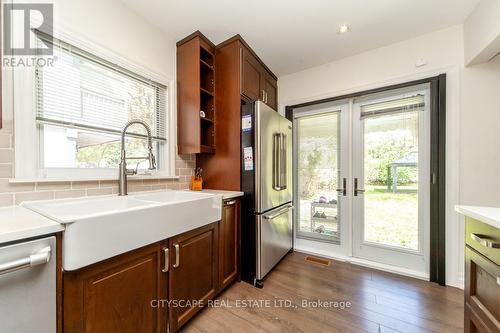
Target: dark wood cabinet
(193, 273)
(270, 88)
(241, 77)
(252, 76)
(129, 292)
(482, 277)
(256, 82)
(116, 295)
(229, 242)
(195, 93)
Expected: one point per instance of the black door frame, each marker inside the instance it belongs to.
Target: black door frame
(437, 270)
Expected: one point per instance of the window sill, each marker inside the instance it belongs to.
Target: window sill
(76, 179)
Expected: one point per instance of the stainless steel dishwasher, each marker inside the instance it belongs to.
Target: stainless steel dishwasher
(28, 286)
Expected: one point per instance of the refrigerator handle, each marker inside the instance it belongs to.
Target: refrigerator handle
(283, 171)
(276, 161)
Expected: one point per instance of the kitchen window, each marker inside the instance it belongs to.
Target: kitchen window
(81, 105)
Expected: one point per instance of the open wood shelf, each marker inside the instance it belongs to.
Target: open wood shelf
(207, 149)
(211, 121)
(205, 91)
(206, 56)
(206, 64)
(196, 76)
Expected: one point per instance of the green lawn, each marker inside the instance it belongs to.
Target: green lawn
(392, 218)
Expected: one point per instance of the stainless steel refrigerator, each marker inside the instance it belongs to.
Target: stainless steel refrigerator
(267, 210)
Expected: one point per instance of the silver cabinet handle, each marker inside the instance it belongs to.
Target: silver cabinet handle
(281, 212)
(230, 203)
(263, 96)
(485, 242)
(266, 96)
(498, 280)
(166, 262)
(177, 255)
(39, 258)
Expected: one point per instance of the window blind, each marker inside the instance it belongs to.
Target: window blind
(406, 104)
(84, 91)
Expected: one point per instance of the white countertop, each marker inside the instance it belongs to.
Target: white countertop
(488, 215)
(225, 194)
(19, 223)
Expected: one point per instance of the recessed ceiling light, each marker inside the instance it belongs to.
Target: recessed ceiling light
(343, 28)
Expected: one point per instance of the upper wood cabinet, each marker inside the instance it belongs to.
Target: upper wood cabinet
(193, 272)
(270, 88)
(257, 83)
(240, 77)
(115, 295)
(252, 76)
(229, 242)
(195, 94)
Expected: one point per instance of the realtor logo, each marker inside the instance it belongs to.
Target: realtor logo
(20, 23)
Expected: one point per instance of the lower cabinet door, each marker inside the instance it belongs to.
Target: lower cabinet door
(229, 242)
(118, 295)
(482, 293)
(193, 273)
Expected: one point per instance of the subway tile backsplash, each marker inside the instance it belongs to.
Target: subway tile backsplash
(15, 193)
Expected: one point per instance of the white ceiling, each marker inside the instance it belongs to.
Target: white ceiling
(291, 35)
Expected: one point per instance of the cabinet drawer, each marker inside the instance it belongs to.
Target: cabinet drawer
(472, 322)
(482, 290)
(483, 238)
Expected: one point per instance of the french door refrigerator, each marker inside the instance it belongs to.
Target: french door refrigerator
(266, 169)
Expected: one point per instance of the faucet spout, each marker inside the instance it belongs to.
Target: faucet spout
(124, 172)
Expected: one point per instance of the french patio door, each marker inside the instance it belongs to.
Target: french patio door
(390, 179)
(362, 178)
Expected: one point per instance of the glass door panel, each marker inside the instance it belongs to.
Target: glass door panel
(318, 176)
(391, 180)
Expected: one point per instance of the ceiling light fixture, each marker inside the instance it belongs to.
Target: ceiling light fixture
(343, 28)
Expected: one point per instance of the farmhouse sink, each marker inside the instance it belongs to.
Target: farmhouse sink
(172, 196)
(102, 227)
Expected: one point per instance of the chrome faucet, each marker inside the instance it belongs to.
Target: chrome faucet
(124, 172)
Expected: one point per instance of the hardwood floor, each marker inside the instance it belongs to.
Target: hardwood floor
(379, 302)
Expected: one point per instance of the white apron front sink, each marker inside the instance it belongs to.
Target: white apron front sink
(102, 227)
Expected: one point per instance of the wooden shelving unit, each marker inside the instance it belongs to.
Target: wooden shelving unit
(196, 93)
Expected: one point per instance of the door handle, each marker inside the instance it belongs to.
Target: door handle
(177, 256)
(39, 258)
(283, 171)
(166, 260)
(281, 212)
(485, 242)
(276, 161)
(356, 190)
(343, 190)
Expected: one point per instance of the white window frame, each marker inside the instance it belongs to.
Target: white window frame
(27, 154)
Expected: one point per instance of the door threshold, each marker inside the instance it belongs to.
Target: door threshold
(368, 263)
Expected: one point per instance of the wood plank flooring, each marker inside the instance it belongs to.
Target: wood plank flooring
(379, 302)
